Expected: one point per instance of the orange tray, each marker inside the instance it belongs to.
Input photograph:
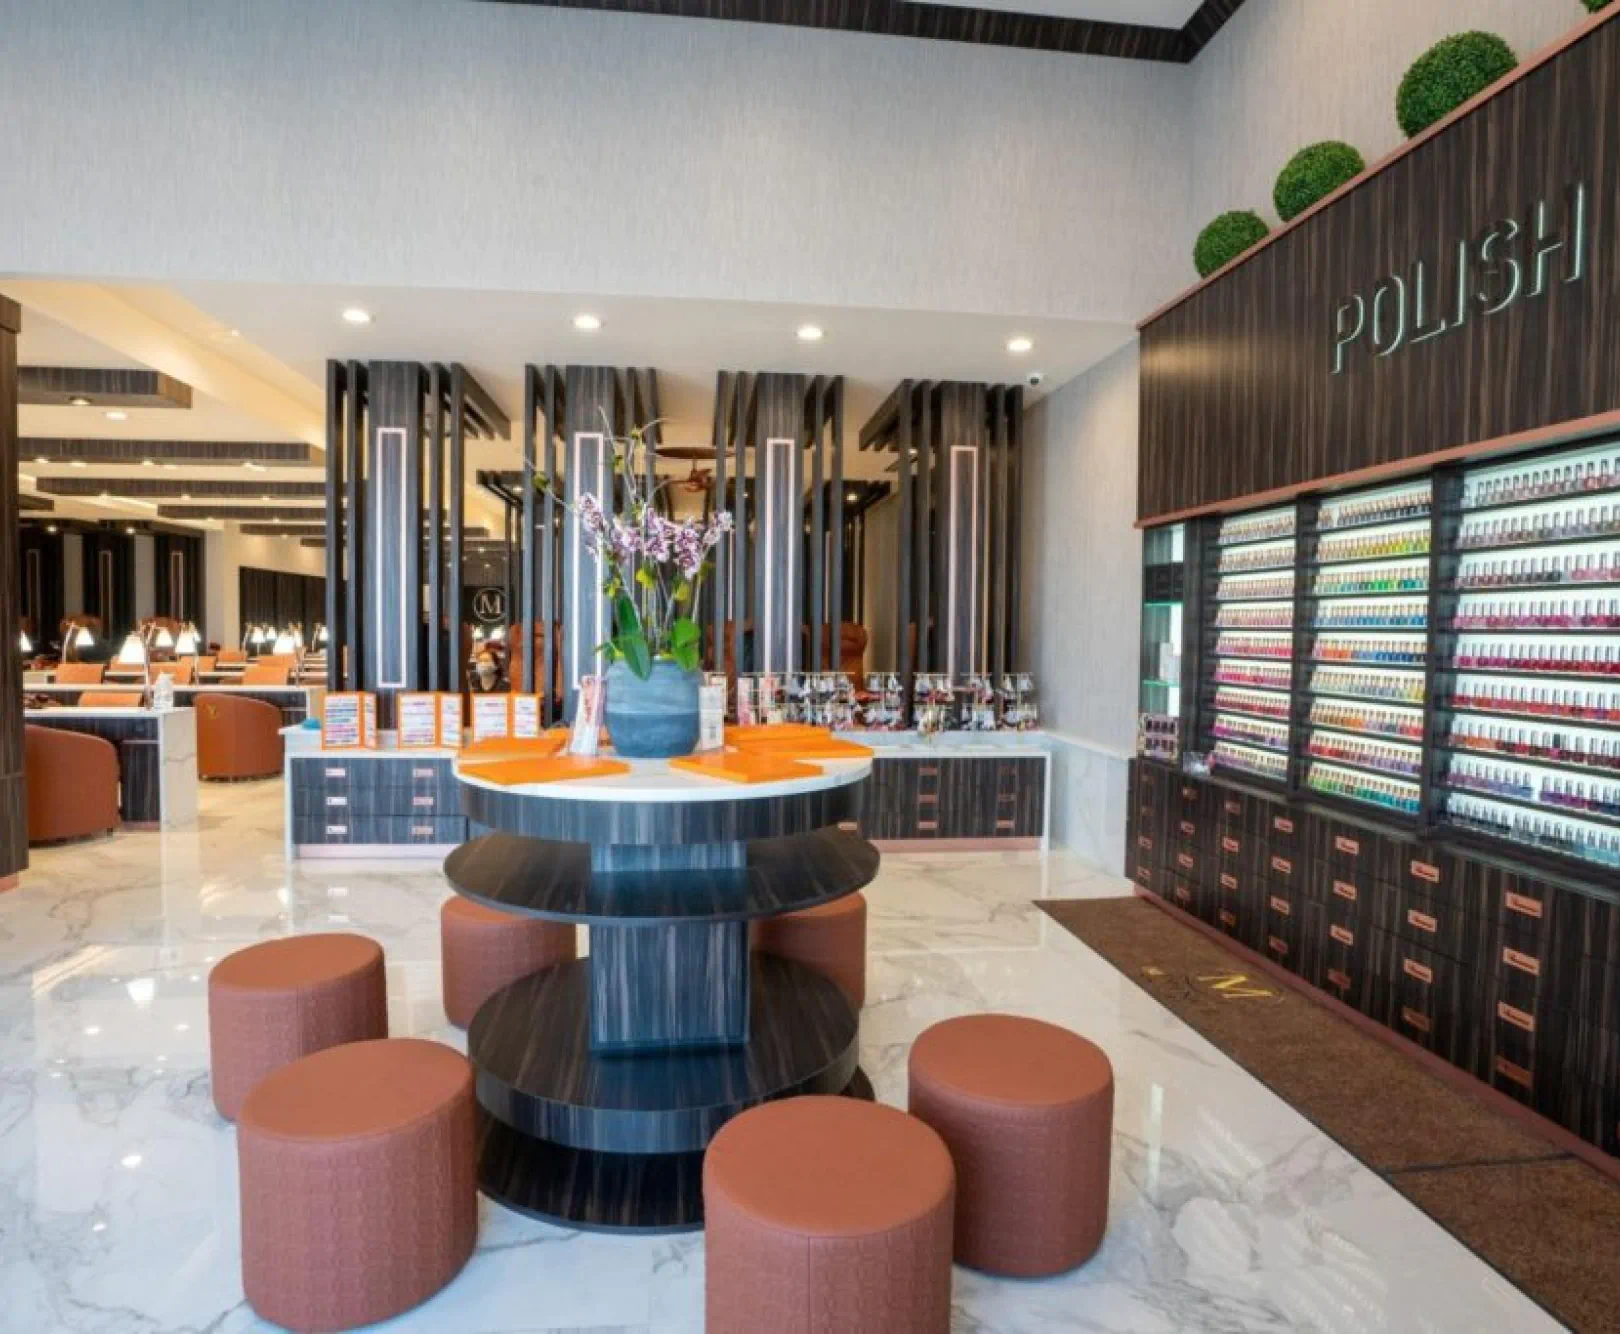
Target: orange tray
(544, 769)
(740, 767)
(737, 735)
(547, 743)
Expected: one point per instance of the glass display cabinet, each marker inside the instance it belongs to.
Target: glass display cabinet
(1367, 647)
(1164, 560)
(1249, 643)
(1528, 736)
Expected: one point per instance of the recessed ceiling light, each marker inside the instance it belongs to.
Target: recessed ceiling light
(587, 323)
(251, 466)
(79, 401)
(1019, 344)
(171, 465)
(356, 315)
(130, 531)
(40, 458)
(116, 416)
(50, 528)
(148, 463)
(811, 333)
(851, 497)
(77, 463)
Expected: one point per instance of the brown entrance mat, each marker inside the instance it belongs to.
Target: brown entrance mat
(1537, 1214)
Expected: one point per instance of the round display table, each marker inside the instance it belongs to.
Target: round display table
(601, 1081)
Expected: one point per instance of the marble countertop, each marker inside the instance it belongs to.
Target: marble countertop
(912, 745)
(86, 711)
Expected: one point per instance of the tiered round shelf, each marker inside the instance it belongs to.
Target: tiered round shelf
(601, 1082)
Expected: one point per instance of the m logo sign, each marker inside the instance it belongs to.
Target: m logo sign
(489, 606)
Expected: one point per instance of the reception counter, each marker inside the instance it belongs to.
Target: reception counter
(295, 702)
(157, 759)
(952, 793)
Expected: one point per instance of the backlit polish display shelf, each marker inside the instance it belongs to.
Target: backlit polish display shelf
(1249, 643)
(1528, 740)
(1366, 643)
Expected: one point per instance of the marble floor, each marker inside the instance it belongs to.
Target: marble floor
(118, 1209)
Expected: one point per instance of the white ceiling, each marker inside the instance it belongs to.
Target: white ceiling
(1150, 13)
(496, 333)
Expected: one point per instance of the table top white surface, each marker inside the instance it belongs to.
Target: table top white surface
(656, 781)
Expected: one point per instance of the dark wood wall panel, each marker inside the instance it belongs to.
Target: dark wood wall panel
(1239, 394)
(109, 584)
(278, 598)
(13, 797)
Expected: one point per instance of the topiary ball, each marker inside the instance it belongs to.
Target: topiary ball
(1314, 173)
(1447, 75)
(1226, 238)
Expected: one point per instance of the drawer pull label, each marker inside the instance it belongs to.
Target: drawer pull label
(337, 773)
(1425, 871)
(1282, 824)
(1515, 1016)
(337, 801)
(1228, 881)
(1422, 921)
(1421, 972)
(1339, 979)
(422, 773)
(1525, 963)
(425, 829)
(1283, 865)
(1345, 890)
(1525, 907)
(1517, 1073)
(1231, 845)
(421, 801)
(1282, 906)
(1416, 1020)
(337, 829)
(1343, 935)
(1277, 945)
(1348, 846)
(1185, 860)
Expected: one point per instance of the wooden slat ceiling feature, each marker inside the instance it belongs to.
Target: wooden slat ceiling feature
(40, 504)
(480, 545)
(318, 530)
(189, 453)
(154, 488)
(76, 386)
(245, 513)
(945, 23)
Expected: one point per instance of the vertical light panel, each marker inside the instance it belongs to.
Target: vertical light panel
(964, 563)
(392, 533)
(590, 472)
(779, 538)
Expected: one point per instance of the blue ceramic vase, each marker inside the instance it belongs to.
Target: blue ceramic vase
(655, 719)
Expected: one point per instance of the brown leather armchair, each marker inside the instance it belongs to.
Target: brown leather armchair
(80, 673)
(237, 737)
(261, 675)
(72, 782)
(180, 672)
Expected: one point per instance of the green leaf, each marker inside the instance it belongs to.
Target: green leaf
(686, 658)
(684, 633)
(631, 641)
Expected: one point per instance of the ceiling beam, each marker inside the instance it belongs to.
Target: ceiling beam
(101, 314)
(27, 502)
(317, 530)
(151, 488)
(947, 23)
(190, 453)
(78, 387)
(244, 513)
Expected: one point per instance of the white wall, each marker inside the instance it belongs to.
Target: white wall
(225, 553)
(1082, 587)
(449, 144)
(1285, 73)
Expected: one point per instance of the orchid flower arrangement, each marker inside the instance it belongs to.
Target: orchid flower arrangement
(652, 567)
